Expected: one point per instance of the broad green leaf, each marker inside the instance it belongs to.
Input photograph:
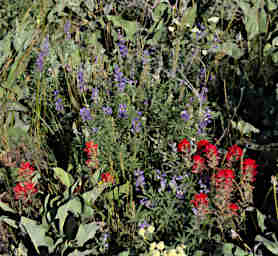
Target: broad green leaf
(230, 49)
(37, 234)
(23, 36)
(227, 249)
(91, 196)
(261, 219)
(130, 27)
(86, 232)
(159, 10)
(188, 19)
(63, 176)
(73, 206)
(5, 48)
(6, 208)
(244, 127)
(272, 246)
(255, 18)
(271, 4)
(90, 4)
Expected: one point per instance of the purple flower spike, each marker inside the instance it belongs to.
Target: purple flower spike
(85, 114)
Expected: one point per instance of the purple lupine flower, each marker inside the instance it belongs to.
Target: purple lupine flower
(95, 129)
(180, 193)
(140, 179)
(85, 114)
(107, 111)
(173, 184)
(81, 81)
(202, 32)
(163, 181)
(206, 119)
(67, 29)
(122, 111)
(59, 105)
(143, 225)
(122, 47)
(58, 102)
(43, 53)
(185, 116)
(136, 125)
(163, 184)
(119, 78)
(105, 240)
(94, 96)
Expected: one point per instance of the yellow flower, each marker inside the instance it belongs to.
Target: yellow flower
(152, 246)
(141, 232)
(150, 229)
(155, 253)
(160, 245)
(172, 252)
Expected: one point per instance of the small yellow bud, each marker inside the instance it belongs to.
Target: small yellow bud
(152, 246)
(172, 252)
(150, 229)
(141, 232)
(156, 253)
(160, 246)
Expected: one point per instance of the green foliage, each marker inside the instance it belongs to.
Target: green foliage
(165, 56)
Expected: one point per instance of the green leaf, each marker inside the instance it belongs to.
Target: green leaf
(272, 246)
(126, 253)
(63, 176)
(188, 19)
(230, 49)
(76, 252)
(227, 249)
(244, 127)
(23, 36)
(130, 27)
(261, 219)
(5, 48)
(37, 234)
(255, 18)
(90, 4)
(9, 221)
(118, 191)
(91, 196)
(6, 208)
(86, 232)
(73, 206)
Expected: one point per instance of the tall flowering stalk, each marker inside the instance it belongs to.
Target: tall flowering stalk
(25, 189)
(43, 53)
(91, 151)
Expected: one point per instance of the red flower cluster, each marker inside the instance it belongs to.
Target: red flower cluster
(199, 164)
(91, 151)
(223, 180)
(234, 208)
(25, 188)
(234, 153)
(107, 177)
(249, 170)
(184, 146)
(200, 202)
